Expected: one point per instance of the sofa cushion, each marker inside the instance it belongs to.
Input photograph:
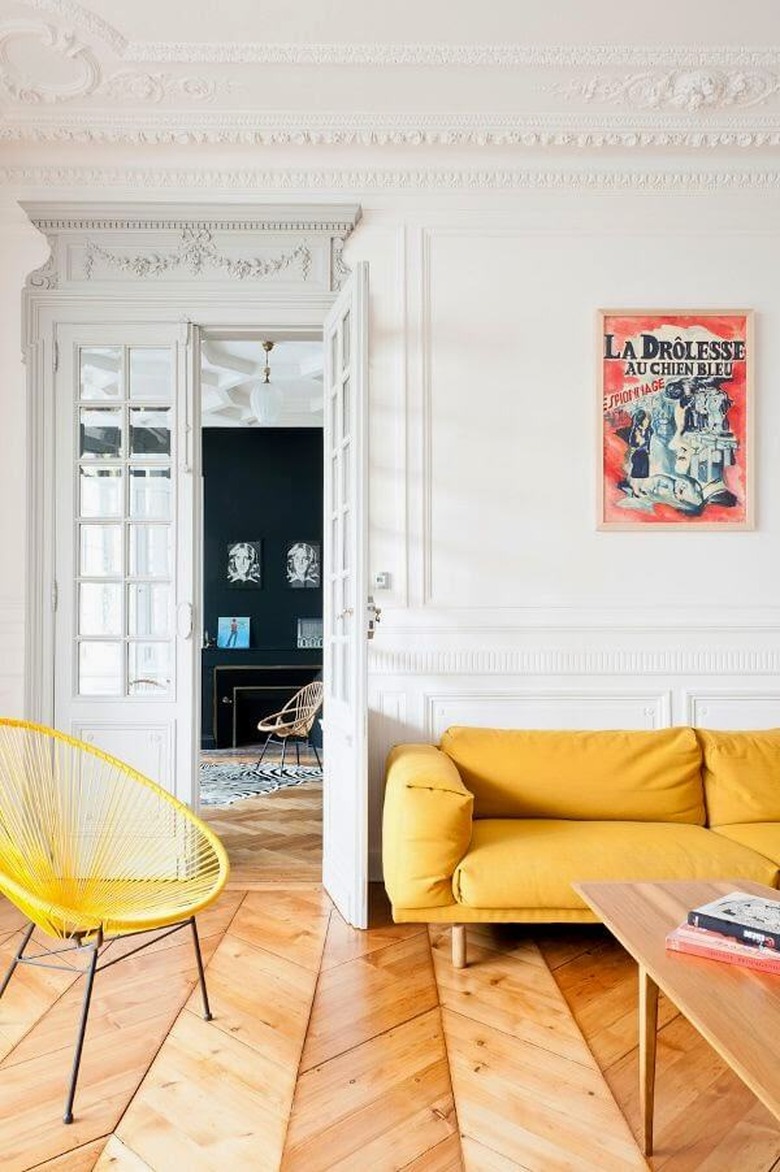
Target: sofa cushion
(625, 775)
(741, 773)
(763, 837)
(532, 864)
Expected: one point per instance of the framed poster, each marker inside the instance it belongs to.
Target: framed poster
(675, 390)
(302, 565)
(233, 632)
(243, 567)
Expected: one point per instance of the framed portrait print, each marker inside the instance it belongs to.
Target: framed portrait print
(675, 419)
(244, 564)
(302, 565)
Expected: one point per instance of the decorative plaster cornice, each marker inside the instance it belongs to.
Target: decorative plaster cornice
(692, 90)
(411, 180)
(88, 79)
(442, 55)
(197, 251)
(576, 131)
(82, 18)
(561, 661)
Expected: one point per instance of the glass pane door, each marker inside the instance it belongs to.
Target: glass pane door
(124, 628)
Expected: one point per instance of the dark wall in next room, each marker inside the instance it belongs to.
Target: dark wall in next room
(259, 485)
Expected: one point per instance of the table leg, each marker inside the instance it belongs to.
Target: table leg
(648, 1034)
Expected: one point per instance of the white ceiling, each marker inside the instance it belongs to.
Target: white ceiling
(231, 370)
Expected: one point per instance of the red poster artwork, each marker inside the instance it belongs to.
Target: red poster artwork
(675, 401)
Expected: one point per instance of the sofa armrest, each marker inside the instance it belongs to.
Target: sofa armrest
(426, 827)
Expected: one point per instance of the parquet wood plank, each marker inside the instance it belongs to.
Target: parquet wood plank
(445, 1157)
(478, 1158)
(386, 1102)
(212, 1100)
(367, 996)
(513, 993)
(261, 1000)
(290, 924)
(83, 1159)
(603, 984)
(533, 1106)
(117, 1157)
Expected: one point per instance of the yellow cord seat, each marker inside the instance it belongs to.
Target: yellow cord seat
(88, 844)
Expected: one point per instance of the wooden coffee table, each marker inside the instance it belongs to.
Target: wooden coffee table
(737, 1010)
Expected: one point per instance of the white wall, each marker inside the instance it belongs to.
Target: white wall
(508, 606)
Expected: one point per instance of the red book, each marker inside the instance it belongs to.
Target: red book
(729, 950)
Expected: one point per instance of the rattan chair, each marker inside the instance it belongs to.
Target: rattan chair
(294, 722)
(93, 852)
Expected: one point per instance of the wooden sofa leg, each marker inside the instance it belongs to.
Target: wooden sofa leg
(459, 946)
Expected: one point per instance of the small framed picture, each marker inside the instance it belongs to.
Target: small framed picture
(309, 633)
(233, 632)
(244, 564)
(675, 419)
(303, 565)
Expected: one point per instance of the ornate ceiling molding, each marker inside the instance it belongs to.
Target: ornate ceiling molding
(15, 85)
(406, 54)
(692, 90)
(442, 55)
(80, 17)
(635, 131)
(88, 79)
(367, 179)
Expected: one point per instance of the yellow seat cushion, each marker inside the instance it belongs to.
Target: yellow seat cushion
(763, 837)
(621, 775)
(532, 863)
(741, 773)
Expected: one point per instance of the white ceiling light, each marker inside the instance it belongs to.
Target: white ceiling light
(265, 400)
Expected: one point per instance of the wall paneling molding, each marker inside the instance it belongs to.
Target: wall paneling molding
(553, 661)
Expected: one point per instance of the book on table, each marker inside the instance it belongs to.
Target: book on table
(727, 949)
(749, 918)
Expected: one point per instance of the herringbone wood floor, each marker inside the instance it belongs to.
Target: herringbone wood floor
(364, 1051)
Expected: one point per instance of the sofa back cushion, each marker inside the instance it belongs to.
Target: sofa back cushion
(622, 775)
(741, 772)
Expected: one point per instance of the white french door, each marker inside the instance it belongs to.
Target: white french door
(345, 597)
(126, 557)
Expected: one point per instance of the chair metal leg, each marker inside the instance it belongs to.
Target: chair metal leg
(12, 967)
(297, 752)
(265, 746)
(207, 1014)
(284, 754)
(89, 982)
(313, 748)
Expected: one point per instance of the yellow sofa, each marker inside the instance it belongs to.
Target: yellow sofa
(495, 825)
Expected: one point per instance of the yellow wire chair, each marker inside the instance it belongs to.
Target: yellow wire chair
(93, 852)
(294, 722)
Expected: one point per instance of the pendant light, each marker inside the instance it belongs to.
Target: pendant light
(265, 400)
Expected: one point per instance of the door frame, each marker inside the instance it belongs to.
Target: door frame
(222, 333)
(219, 265)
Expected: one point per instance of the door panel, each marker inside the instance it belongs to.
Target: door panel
(345, 788)
(124, 670)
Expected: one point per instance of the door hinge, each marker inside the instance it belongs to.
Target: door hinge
(55, 595)
(56, 356)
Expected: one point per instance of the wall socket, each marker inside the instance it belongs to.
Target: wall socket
(382, 580)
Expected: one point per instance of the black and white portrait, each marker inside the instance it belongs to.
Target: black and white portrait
(243, 563)
(303, 565)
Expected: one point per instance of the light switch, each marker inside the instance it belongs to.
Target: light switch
(382, 580)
